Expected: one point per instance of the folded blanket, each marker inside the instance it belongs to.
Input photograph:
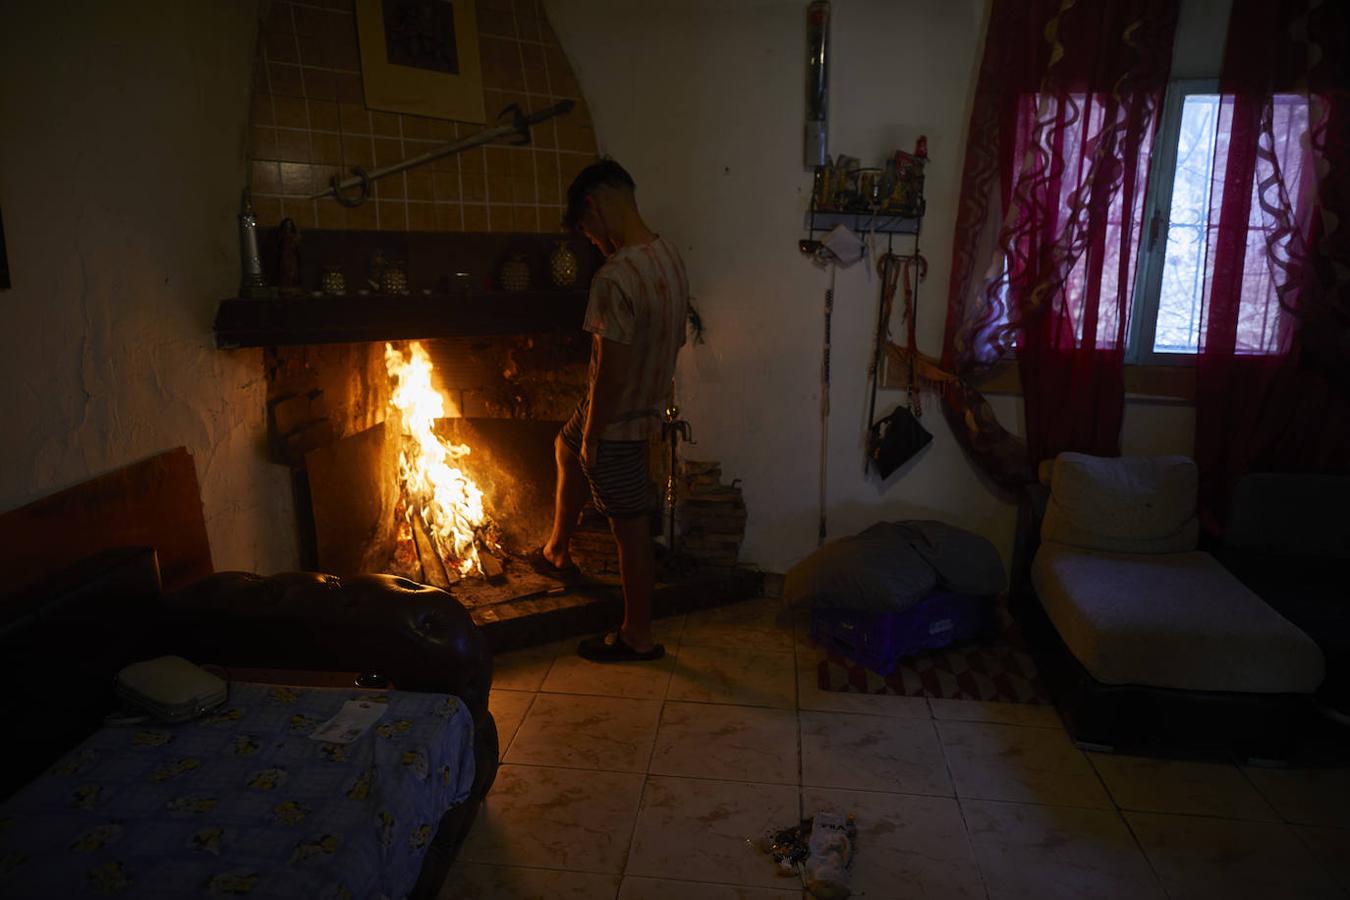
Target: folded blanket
(891, 566)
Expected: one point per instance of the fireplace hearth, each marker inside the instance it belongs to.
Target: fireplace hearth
(494, 386)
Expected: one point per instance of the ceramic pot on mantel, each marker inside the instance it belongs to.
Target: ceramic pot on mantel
(562, 265)
(515, 273)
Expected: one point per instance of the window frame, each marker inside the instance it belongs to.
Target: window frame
(1153, 243)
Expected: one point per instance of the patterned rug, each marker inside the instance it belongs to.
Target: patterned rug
(997, 667)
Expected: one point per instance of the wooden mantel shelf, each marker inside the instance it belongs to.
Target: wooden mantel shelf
(249, 322)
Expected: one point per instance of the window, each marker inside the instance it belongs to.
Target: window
(1168, 316)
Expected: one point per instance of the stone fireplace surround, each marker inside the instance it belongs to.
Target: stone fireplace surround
(511, 367)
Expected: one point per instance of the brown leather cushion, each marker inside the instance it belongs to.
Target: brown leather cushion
(418, 636)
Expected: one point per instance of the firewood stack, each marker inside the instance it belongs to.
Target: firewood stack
(711, 515)
(711, 521)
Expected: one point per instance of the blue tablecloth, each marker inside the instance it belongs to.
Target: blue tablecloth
(242, 802)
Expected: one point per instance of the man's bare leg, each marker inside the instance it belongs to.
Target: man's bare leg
(637, 570)
(568, 498)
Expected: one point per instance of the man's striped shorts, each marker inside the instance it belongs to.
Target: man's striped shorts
(620, 485)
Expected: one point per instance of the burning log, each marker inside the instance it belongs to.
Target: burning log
(433, 567)
(492, 567)
(448, 502)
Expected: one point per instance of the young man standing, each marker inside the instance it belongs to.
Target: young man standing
(639, 301)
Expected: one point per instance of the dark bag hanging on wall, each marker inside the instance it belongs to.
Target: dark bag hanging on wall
(893, 440)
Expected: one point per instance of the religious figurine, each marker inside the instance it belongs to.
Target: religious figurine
(289, 264)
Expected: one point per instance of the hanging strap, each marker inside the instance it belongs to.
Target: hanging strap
(888, 267)
(912, 270)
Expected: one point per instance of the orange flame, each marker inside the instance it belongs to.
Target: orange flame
(449, 502)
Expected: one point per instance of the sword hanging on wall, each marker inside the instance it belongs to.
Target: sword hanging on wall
(518, 126)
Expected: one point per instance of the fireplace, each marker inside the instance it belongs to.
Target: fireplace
(419, 429)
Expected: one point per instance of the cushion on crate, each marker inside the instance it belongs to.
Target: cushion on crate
(880, 640)
(891, 566)
(1123, 505)
(1174, 620)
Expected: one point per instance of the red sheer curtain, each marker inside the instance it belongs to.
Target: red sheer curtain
(1274, 363)
(1049, 223)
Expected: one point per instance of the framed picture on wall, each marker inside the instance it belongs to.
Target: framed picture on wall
(421, 57)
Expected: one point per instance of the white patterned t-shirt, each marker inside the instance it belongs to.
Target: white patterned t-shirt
(640, 297)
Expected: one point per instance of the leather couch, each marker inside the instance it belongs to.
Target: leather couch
(63, 641)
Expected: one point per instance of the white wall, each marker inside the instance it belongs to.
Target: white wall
(703, 102)
(121, 161)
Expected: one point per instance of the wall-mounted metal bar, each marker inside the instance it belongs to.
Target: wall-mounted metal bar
(519, 125)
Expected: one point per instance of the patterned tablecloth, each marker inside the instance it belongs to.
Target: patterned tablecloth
(243, 802)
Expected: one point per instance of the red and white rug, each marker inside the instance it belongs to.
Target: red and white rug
(994, 668)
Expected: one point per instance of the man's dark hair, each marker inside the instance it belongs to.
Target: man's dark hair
(605, 173)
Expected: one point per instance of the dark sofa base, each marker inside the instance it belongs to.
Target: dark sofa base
(1160, 720)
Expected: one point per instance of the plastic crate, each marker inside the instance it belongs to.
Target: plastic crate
(880, 640)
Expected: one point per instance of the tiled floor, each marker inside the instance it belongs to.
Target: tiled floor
(645, 782)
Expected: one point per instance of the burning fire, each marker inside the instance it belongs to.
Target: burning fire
(449, 503)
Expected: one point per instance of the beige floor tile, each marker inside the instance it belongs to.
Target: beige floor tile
(474, 881)
(1331, 847)
(669, 630)
(1041, 715)
(571, 674)
(556, 818)
(665, 630)
(1306, 796)
(664, 889)
(1181, 786)
(749, 678)
(523, 670)
(697, 830)
(508, 709)
(1020, 764)
(908, 847)
(872, 753)
(1225, 859)
(892, 705)
(810, 696)
(578, 731)
(1052, 852)
(761, 624)
(732, 743)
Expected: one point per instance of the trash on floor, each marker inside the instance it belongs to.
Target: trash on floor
(832, 839)
(819, 851)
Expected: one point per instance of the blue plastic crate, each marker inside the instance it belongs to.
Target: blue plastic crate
(880, 640)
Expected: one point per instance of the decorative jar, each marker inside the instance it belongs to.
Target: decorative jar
(332, 281)
(562, 265)
(394, 278)
(515, 273)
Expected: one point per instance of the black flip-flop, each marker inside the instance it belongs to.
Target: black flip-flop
(611, 647)
(540, 563)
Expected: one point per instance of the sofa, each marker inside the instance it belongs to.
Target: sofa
(63, 642)
(1148, 640)
(1287, 539)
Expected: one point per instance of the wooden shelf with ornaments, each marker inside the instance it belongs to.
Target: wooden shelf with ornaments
(276, 322)
(453, 285)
